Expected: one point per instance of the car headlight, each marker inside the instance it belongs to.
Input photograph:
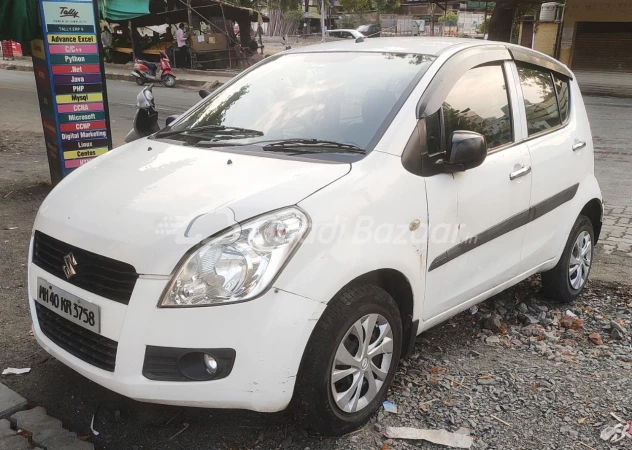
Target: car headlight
(238, 264)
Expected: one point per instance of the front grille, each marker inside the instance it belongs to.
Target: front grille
(78, 341)
(98, 274)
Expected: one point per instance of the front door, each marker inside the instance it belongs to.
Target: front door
(476, 225)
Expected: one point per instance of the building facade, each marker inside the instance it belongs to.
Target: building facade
(594, 38)
(596, 42)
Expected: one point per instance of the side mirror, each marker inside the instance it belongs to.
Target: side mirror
(204, 93)
(468, 150)
(169, 120)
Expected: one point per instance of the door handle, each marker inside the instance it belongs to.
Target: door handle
(579, 145)
(520, 172)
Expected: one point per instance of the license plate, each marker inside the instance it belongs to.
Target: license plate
(68, 306)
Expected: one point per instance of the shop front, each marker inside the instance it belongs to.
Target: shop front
(596, 43)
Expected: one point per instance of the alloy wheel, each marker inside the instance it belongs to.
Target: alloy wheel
(581, 258)
(362, 363)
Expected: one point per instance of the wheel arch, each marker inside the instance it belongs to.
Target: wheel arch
(594, 211)
(398, 286)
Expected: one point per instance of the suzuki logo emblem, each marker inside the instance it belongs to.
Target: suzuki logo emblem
(69, 265)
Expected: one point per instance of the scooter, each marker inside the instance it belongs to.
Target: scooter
(146, 118)
(146, 72)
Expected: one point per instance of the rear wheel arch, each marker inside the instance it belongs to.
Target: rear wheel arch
(594, 211)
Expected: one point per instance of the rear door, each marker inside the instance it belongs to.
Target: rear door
(560, 146)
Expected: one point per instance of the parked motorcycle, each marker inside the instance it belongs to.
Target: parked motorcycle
(146, 118)
(147, 72)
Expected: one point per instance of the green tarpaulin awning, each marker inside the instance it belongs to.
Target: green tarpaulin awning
(123, 9)
(19, 20)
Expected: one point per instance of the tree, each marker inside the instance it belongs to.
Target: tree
(449, 19)
(483, 28)
(356, 5)
(368, 5)
(347, 21)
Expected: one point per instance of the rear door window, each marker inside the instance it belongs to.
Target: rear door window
(540, 100)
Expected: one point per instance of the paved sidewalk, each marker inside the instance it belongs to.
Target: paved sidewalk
(32, 429)
(617, 229)
(122, 72)
(611, 120)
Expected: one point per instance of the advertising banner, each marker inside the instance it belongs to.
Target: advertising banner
(70, 77)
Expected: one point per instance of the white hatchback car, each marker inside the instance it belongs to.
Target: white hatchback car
(285, 240)
(344, 34)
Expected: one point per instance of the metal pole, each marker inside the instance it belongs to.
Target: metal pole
(131, 35)
(329, 16)
(190, 17)
(322, 19)
(230, 60)
(485, 21)
(445, 16)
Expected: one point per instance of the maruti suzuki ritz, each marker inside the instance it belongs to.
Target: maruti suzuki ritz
(284, 241)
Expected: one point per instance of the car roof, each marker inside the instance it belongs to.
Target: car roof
(342, 29)
(433, 46)
(420, 45)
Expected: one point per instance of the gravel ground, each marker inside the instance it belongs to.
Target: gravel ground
(518, 374)
(516, 377)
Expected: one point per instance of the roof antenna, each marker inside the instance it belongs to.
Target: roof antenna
(360, 39)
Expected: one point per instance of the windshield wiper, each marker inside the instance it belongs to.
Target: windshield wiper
(216, 129)
(312, 146)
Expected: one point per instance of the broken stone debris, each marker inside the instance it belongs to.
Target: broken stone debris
(595, 338)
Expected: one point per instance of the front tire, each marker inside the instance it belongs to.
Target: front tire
(169, 81)
(567, 279)
(350, 360)
(140, 81)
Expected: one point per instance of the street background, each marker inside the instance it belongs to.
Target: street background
(563, 386)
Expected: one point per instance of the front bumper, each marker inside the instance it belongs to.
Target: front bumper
(268, 334)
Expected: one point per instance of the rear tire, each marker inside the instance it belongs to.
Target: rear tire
(567, 279)
(140, 81)
(337, 407)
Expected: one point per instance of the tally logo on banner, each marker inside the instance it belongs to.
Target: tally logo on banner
(68, 12)
(56, 13)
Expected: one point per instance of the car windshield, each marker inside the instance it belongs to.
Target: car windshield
(340, 97)
(363, 28)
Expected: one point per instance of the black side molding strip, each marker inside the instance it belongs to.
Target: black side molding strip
(513, 223)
